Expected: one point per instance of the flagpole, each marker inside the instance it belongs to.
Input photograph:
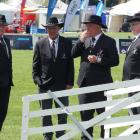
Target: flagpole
(104, 4)
(51, 6)
(71, 11)
(83, 11)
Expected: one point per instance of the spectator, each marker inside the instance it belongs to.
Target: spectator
(131, 69)
(98, 54)
(5, 71)
(53, 69)
(125, 27)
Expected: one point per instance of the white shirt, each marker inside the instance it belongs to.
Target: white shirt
(97, 37)
(137, 36)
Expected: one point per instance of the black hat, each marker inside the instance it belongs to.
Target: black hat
(94, 19)
(52, 21)
(3, 20)
(136, 17)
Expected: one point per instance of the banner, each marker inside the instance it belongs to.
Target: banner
(99, 8)
(71, 11)
(51, 6)
(84, 4)
(84, 7)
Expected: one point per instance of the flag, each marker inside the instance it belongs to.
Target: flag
(99, 8)
(84, 4)
(51, 6)
(71, 11)
(84, 7)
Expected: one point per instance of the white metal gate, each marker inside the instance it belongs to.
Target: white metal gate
(112, 105)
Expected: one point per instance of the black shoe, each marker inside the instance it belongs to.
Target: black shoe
(59, 134)
(84, 138)
(47, 138)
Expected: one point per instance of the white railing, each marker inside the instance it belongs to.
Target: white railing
(112, 105)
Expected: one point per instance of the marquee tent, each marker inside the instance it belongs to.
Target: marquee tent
(117, 13)
(129, 8)
(60, 9)
(7, 10)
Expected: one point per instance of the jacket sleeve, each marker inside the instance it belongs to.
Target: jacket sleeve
(110, 56)
(77, 49)
(70, 77)
(36, 65)
(10, 58)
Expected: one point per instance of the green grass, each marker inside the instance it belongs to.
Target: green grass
(22, 73)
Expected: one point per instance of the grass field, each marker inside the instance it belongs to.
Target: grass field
(22, 68)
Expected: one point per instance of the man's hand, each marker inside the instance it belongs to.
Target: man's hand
(84, 36)
(92, 58)
(69, 87)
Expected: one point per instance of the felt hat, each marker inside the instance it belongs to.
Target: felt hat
(53, 21)
(94, 19)
(3, 20)
(136, 17)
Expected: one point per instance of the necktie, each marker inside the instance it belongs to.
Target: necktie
(91, 45)
(93, 39)
(53, 50)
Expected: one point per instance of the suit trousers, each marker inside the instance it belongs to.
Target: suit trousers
(89, 114)
(135, 110)
(47, 120)
(4, 101)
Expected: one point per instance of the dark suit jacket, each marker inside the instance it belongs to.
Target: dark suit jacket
(5, 64)
(60, 72)
(96, 73)
(131, 68)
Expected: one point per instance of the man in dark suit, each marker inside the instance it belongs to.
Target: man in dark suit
(5, 71)
(131, 68)
(53, 69)
(98, 54)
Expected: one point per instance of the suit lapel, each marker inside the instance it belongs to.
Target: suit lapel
(60, 47)
(133, 45)
(99, 42)
(5, 46)
(47, 47)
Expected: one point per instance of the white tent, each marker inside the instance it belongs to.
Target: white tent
(29, 3)
(15, 5)
(117, 13)
(7, 10)
(129, 8)
(60, 9)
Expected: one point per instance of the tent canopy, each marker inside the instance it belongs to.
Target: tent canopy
(60, 9)
(8, 10)
(129, 8)
(6, 7)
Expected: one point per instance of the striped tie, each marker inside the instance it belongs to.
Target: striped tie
(53, 50)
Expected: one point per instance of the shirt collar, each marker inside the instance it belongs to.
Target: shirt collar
(137, 36)
(1, 36)
(97, 36)
(56, 40)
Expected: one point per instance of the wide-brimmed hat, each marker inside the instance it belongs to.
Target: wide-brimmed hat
(94, 19)
(136, 17)
(3, 20)
(53, 21)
